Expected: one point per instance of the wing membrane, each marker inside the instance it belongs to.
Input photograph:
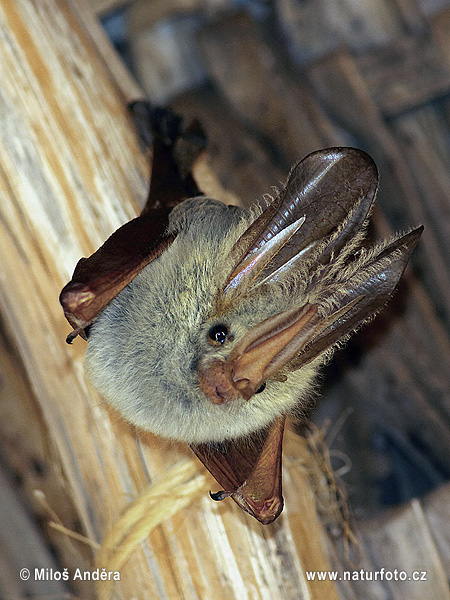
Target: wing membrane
(99, 278)
(249, 470)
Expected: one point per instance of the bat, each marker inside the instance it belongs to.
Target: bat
(208, 323)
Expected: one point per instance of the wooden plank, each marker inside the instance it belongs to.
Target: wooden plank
(402, 540)
(276, 109)
(436, 508)
(405, 74)
(26, 448)
(119, 74)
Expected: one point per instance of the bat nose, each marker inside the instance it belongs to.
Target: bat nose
(216, 385)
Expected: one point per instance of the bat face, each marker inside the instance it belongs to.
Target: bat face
(149, 348)
(208, 323)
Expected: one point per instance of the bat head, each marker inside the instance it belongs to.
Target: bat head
(153, 352)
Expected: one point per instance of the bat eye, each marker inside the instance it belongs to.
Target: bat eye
(261, 389)
(218, 334)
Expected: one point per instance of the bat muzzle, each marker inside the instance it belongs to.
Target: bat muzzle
(216, 384)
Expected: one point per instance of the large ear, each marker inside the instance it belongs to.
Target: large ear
(99, 278)
(329, 190)
(360, 297)
(315, 220)
(295, 337)
(249, 470)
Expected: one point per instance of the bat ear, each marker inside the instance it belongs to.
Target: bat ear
(359, 297)
(327, 191)
(343, 302)
(99, 278)
(250, 471)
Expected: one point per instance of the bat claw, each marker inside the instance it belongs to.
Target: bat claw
(256, 490)
(220, 495)
(265, 512)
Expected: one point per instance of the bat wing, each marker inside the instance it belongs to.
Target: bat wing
(99, 278)
(175, 151)
(249, 470)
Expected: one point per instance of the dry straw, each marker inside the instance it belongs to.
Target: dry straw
(171, 492)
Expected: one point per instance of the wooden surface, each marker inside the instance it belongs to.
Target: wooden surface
(72, 172)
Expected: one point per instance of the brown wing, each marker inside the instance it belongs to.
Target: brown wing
(249, 470)
(99, 278)
(175, 150)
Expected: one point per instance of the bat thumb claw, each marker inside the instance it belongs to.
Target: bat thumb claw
(221, 495)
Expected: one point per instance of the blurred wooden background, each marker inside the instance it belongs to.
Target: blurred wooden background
(270, 81)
